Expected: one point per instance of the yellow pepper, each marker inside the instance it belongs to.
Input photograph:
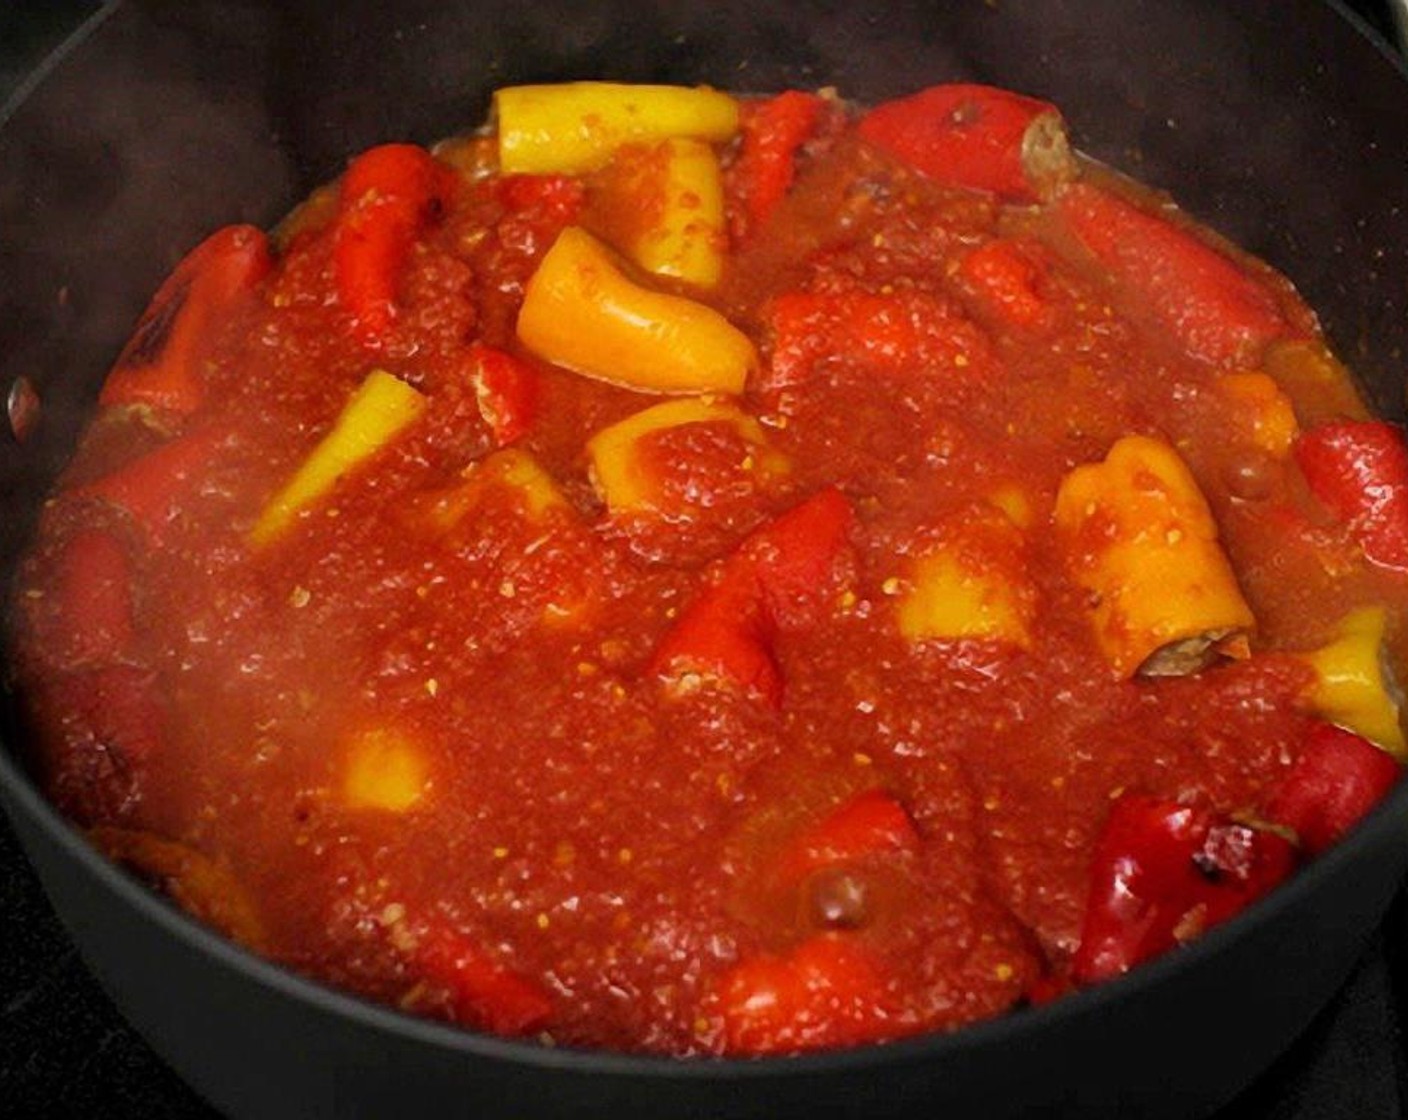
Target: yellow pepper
(1015, 503)
(380, 409)
(971, 583)
(1351, 688)
(669, 203)
(623, 479)
(1143, 542)
(1271, 418)
(513, 480)
(574, 127)
(581, 312)
(384, 769)
(512, 470)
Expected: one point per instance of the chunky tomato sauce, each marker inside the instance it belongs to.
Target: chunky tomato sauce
(377, 623)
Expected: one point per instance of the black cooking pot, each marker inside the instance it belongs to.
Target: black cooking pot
(1275, 121)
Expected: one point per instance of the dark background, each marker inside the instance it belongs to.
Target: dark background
(65, 1051)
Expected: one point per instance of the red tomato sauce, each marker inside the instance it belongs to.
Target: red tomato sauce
(421, 745)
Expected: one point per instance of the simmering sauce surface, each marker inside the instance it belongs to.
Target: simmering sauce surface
(422, 741)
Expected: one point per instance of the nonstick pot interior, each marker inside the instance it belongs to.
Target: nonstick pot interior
(1277, 122)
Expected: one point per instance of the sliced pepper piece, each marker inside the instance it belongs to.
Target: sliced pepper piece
(772, 133)
(621, 473)
(108, 724)
(1015, 503)
(1143, 542)
(161, 364)
(388, 195)
(1359, 470)
(1001, 278)
(772, 582)
(723, 637)
(506, 390)
(380, 410)
(1271, 418)
(826, 992)
(89, 609)
(897, 335)
(549, 563)
(1162, 873)
(152, 487)
(1212, 306)
(385, 768)
(203, 886)
(533, 490)
(977, 137)
(482, 992)
(580, 311)
(670, 199)
(1333, 784)
(870, 823)
(575, 127)
(970, 583)
(793, 558)
(1351, 687)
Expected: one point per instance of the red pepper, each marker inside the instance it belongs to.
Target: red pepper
(151, 488)
(723, 635)
(772, 132)
(1004, 282)
(827, 992)
(506, 390)
(1162, 873)
(772, 582)
(907, 333)
(869, 823)
(1338, 778)
(160, 365)
(1216, 310)
(109, 724)
(387, 197)
(91, 601)
(1359, 469)
(1048, 988)
(793, 556)
(977, 137)
(482, 992)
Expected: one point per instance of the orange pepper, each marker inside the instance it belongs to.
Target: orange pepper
(1144, 544)
(580, 311)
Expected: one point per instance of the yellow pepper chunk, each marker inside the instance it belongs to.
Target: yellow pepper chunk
(531, 487)
(380, 409)
(574, 127)
(581, 312)
(970, 584)
(551, 558)
(1015, 503)
(384, 769)
(1351, 688)
(1143, 542)
(518, 470)
(1271, 418)
(621, 474)
(670, 199)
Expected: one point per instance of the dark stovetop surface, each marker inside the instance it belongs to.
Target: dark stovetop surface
(66, 1052)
